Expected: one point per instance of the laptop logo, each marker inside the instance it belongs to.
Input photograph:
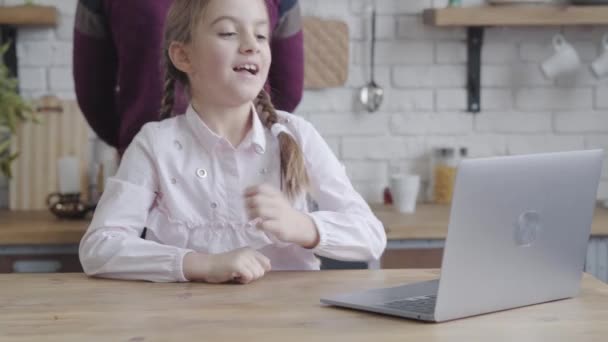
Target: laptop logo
(527, 228)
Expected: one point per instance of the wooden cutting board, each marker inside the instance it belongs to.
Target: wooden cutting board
(62, 131)
(326, 53)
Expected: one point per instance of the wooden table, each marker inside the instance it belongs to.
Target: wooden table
(417, 240)
(282, 306)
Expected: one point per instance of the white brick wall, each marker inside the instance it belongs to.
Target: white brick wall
(32, 78)
(554, 98)
(432, 76)
(432, 124)
(581, 122)
(511, 122)
(513, 75)
(406, 100)
(451, 99)
(346, 124)
(517, 144)
(45, 54)
(451, 52)
(601, 98)
(423, 72)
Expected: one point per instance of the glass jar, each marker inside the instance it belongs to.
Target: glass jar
(444, 163)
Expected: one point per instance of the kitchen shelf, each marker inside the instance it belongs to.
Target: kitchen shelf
(12, 17)
(517, 15)
(28, 15)
(475, 19)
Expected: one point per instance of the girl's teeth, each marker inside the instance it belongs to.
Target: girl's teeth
(249, 67)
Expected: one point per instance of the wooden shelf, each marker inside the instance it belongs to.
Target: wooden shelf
(475, 19)
(28, 15)
(517, 15)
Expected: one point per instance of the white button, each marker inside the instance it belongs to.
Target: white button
(264, 171)
(287, 120)
(178, 145)
(258, 149)
(201, 173)
(213, 205)
(173, 181)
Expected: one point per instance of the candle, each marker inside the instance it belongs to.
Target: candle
(69, 175)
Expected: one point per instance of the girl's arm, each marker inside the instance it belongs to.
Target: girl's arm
(112, 247)
(348, 230)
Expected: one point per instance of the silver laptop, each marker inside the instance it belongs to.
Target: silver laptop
(517, 236)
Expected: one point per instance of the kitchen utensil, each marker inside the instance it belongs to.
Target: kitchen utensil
(372, 94)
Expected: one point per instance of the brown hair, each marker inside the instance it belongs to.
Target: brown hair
(180, 24)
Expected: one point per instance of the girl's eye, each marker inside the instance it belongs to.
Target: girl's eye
(261, 37)
(227, 34)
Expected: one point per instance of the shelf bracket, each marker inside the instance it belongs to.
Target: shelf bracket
(474, 44)
(9, 34)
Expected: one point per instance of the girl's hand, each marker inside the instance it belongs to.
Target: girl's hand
(277, 216)
(242, 265)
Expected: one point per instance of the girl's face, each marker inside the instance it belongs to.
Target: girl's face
(229, 55)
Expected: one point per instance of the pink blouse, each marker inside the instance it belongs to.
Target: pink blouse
(185, 184)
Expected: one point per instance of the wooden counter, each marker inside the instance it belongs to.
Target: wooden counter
(282, 306)
(430, 221)
(39, 228)
(409, 237)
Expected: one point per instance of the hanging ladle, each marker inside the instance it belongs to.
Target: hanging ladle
(372, 94)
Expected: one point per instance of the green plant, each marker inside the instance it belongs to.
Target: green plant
(13, 110)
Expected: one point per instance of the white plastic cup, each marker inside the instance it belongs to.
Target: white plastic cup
(404, 191)
(565, 59)
(599, 67)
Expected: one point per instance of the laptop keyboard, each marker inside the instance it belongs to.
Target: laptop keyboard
(422, 304)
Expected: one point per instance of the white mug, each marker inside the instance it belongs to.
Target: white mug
(404, 191)
(565, 60)
(599, 67)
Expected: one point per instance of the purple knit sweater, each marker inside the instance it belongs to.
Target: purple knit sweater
(117, 72)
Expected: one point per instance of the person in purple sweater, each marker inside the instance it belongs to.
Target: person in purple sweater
(117, 63)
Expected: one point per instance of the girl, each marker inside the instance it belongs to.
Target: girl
(222, 188)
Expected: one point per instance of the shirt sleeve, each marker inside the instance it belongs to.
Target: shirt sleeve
(286, 75)
(348, 229)
(95, 70)
(112, 247)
